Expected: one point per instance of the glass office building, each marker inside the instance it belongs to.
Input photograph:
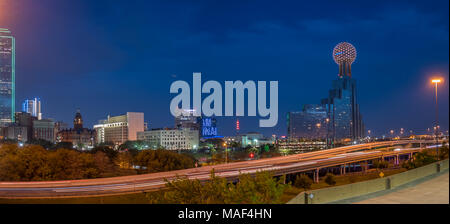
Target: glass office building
(7, 76)
(345, 118)
(310, 123)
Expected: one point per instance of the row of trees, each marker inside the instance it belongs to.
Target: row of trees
(260, 188)
(33, 162)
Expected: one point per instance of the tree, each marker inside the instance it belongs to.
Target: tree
(24, 164)
(104, 164)
(63, 145)
(42, 142)
(380, 164)
(303, 181)
(330, 179)
(162, 160)
(109, 151)
(420, 159)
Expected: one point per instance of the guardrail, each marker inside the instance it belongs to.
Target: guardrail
(327, 195)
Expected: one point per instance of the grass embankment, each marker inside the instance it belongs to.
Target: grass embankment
(341, 180)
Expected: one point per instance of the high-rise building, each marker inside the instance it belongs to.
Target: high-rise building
(7, 77)
(32, 107)
(187, 119)
(21, 129)
(206, 126)
(343, 109)
(170, 139)
(119, 129)
(338, 117)
(310, 123)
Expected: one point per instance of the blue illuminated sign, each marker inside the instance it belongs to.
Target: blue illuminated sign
(209, 128)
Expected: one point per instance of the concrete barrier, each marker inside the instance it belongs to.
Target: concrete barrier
(331, 194)
(444, 164)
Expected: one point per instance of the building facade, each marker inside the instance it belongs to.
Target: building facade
(310, 123)
(170, 139)
(187, 120)
(80, 137)
(119, 129)
(44, 129)
(32, 107)
(255, 139)
(7, 77)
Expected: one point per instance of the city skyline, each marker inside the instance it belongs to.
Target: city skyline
(391, 93)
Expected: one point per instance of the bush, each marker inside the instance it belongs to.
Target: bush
(303, 181)
(260, 188)
(420, 159)
(443, 152)
(380, 164)
(330, 179)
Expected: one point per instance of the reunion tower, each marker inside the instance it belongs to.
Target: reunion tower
(344, 54)
(343, 109)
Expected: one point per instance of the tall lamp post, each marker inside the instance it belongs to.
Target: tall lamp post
(226, 152)
(436, 127)
(327, 120)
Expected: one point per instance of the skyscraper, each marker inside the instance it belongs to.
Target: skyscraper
(343, 109)
(32, 107)
(7, 77)
(338, 116)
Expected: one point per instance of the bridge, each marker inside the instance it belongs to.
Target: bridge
(341, 158)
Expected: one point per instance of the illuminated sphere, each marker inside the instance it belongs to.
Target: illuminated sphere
(344, 52)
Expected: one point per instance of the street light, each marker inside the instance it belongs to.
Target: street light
(327, 120)
(436, 81)
(226, 152)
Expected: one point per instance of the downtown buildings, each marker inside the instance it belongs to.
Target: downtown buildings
(337, 118)
(7, 77)
(170, 138)
(119, 129)
(32, 107)
(80, 137)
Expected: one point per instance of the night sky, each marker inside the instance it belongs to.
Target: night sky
(110, 57)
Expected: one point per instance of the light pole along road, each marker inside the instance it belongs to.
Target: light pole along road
(312, 161)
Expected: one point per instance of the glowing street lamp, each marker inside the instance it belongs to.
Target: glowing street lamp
(436, 81)
(226, 152)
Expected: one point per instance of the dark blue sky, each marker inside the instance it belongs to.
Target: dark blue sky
(110, 57)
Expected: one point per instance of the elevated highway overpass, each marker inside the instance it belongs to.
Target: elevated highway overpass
(305, 162)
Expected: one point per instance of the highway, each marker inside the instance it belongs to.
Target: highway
(311, 161)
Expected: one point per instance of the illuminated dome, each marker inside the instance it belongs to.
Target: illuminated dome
(344, 53)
